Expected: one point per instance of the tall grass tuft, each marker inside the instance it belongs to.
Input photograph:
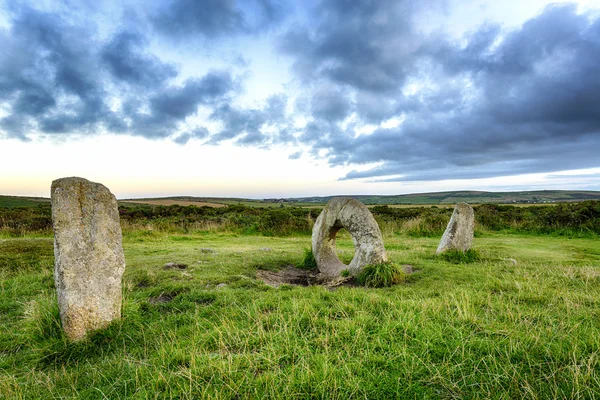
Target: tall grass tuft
(381, 275)
(308, 262)
(42, 319)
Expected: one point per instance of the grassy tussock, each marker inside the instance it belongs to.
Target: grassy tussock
(461, 257)
(308, 262)
(381, 275)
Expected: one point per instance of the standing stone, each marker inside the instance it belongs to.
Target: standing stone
(459, 232)
(88, 251)
(345, 212)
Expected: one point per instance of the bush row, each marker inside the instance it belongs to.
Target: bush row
(562, 219)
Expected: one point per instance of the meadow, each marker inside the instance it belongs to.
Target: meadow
(520, 320)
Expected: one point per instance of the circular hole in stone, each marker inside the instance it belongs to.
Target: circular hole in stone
(344, 246)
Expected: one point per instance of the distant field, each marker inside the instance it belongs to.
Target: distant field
(17, 201)
(216, 202)
(447, 199)
(451, 205)
(413, 205)
(162, 202)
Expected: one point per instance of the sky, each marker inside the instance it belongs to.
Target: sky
(269, 98)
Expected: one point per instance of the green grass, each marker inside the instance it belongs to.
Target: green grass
(523, 321)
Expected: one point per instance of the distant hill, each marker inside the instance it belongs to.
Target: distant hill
(473, 197)
(452, 197)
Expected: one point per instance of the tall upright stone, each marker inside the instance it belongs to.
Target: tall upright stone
(88, 251)
(459, 232)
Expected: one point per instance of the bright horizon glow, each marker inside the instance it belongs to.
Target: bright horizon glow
(224, 171)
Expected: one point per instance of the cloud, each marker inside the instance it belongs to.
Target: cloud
(47, 68)
(180, 102)
(247, 126)
(504, 103)
(58, 78)
(198, 133)
(296, 155)
(367, 45)
(330, 104)
(126, 61)
(498, 103)
(216, 18)
(164, 112)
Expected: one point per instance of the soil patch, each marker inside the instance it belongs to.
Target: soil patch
(290, 275)
(173, 265)
(162, 298)
(408, 269)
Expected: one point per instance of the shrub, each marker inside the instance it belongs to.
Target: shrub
(579, 219)
(381, 275)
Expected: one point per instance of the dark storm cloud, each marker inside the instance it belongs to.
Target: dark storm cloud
(126, 60)
(367, 45)
(16, 126)
(504, 104)
(180, 102)
(164, 111)
(46, 60)
(330, 104)
(246, 125)
(216, 18)
(59, 79)
(236, 123)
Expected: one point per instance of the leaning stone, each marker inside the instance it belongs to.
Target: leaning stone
(345, 212)
(88, 251)
(459, 232)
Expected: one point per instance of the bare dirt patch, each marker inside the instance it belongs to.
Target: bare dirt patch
(162, 298)
(173, 265)
(290, 275)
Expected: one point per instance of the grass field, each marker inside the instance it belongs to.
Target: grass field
(523, 322)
